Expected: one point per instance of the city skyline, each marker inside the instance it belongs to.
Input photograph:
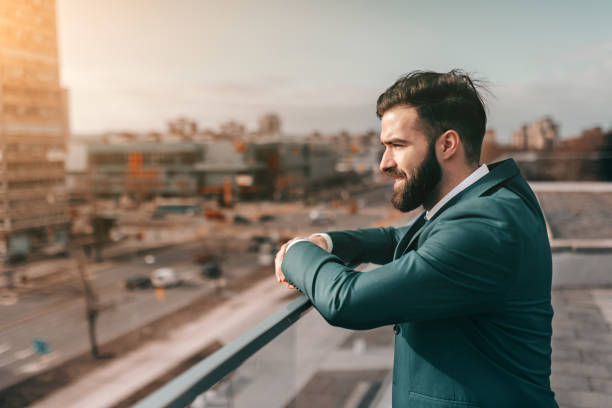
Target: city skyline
(321, 66)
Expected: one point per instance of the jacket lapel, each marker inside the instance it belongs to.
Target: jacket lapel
(413, 229)
(498, 173)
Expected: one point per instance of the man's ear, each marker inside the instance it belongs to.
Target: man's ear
(448, 144)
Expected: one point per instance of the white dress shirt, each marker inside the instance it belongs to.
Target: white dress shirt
(476, 175)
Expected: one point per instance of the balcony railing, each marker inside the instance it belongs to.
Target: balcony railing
(192, 383)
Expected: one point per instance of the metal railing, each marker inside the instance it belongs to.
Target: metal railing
(181, 391)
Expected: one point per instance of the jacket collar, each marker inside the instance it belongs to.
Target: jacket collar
(499, 173)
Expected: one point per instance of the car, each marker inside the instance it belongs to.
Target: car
(149, 259)
(266, 218)
(213, 214)
(321, 216)
(165, 278)
(17, 258)
(137, 282)
(211, 270)
(204, 257)
(258, 240)
(239, 219)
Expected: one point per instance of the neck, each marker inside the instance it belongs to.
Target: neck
(449, 180)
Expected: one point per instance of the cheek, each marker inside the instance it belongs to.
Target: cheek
(407, 162)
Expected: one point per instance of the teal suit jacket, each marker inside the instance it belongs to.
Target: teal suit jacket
(468, 293)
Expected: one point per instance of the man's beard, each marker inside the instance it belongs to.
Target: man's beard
(422, 182)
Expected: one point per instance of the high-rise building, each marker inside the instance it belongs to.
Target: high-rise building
(269, 125)
(542, 134)
(33, 128)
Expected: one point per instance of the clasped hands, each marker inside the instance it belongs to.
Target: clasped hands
(280, 255)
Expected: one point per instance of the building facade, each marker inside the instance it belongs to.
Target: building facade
(33, 128)
(542, 135)
(142, 170)
(251, 170)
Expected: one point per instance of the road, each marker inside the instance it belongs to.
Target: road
(57, 314)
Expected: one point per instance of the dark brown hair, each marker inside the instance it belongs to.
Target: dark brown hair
(443, 101)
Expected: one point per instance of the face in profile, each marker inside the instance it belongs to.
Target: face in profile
(409, 158)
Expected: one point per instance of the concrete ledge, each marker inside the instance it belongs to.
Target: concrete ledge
(581, 245)
(571, 186)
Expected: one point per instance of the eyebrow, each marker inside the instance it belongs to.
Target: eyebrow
(394, 140)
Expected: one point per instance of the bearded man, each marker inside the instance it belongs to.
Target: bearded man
(466, 285)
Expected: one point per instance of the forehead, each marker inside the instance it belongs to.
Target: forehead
(401, 122)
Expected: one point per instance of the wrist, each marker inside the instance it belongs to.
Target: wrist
(320, 241)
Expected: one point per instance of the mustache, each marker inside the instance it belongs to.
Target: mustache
(395, 173)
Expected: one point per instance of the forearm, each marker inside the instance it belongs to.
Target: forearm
(372, 245)
(443, 278)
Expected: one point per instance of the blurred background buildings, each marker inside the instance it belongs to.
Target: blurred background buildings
(34, 129)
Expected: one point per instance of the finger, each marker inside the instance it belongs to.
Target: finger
(278, 261)
(278, 258)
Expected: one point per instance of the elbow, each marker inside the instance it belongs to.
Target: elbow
(332, 315)
(341, 317)
(335, 320)
(332, 312)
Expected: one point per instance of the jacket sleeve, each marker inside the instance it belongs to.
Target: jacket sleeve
(463, 266)
(372, 245)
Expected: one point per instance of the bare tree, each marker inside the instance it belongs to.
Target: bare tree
(92, 303)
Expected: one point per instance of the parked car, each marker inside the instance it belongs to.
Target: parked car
(137, 282)
(165, 278)
(266, 218)
(211, 270)
(321, 216)
(212, 214)
(16, 259)
(204, 257)
(149, 259)
(258, 240)
(239, 219)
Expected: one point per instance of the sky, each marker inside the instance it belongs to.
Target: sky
(135, 64)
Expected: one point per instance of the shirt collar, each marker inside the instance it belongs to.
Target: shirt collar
(476, 175)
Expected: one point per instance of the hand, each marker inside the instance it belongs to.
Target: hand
(278, 261)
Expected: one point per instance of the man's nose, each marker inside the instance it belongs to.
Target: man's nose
(387, 162)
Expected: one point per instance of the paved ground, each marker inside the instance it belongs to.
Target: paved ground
(582, 348)
(312, 364)
(578, 215)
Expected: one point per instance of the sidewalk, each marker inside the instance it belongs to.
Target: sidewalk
(119, 379)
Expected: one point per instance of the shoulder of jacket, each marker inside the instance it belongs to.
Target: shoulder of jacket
(501, 204)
